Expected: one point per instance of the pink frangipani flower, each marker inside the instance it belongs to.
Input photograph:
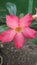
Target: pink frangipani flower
(19, 28)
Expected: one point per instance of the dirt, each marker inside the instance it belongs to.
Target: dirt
(27, 55)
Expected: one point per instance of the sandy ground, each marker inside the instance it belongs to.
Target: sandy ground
(27, 55)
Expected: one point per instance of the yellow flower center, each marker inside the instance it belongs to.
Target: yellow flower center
(18, 29)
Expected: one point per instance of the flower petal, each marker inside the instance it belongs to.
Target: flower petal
(19, 40)
(0, 37)
(7, 36)
(26, 20)
(12, 21)
(29, 33)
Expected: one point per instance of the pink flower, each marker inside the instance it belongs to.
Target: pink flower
(19, 28)
(0, 37)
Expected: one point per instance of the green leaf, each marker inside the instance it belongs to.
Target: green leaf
(21, 15)
(3, 28)
(34, 25)
(11, 8)
(34, 41)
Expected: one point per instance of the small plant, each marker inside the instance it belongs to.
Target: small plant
(18, 28)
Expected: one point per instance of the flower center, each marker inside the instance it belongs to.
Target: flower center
(18, 29)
